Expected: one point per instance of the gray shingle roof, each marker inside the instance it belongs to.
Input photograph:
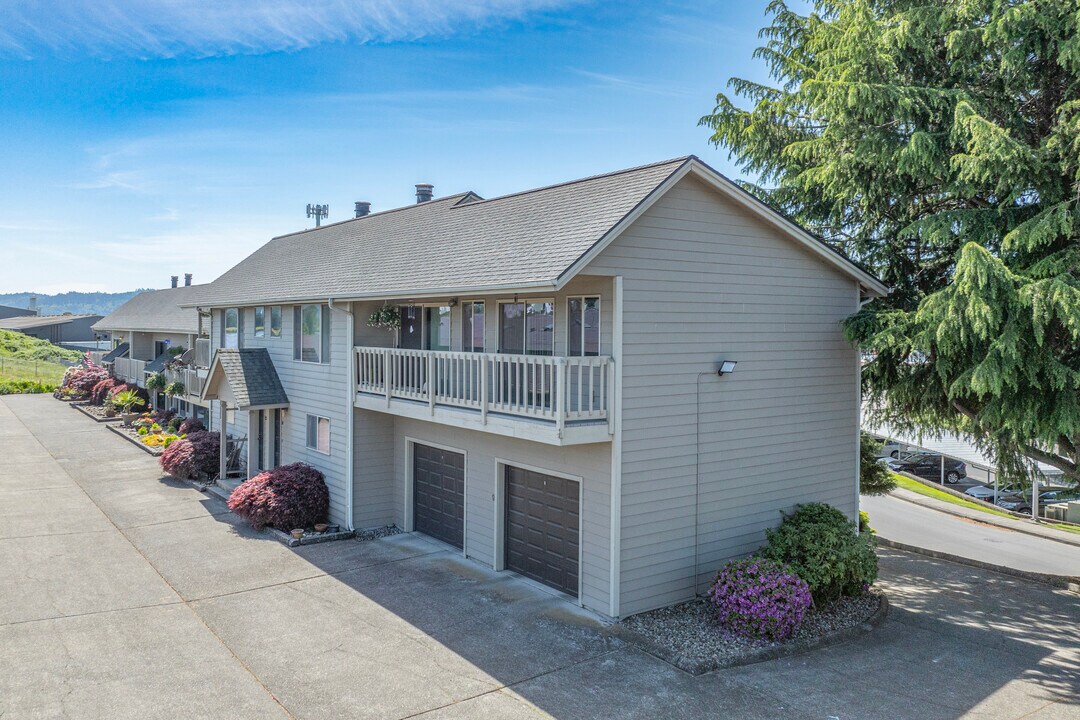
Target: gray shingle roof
(158, 363)
(453, 243)
(118, 352)
(251, 376)
(157, 311)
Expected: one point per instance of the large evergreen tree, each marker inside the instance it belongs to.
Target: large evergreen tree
(939, 144)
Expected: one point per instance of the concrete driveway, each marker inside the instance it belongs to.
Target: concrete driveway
(127, 595)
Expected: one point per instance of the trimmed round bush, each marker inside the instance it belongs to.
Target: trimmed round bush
(187, 457)
(190, 425)
(178, 459)
(760, 598)
(822, 547)
(286, 497)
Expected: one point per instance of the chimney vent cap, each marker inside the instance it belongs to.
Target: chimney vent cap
(424, 192)
(363, 208)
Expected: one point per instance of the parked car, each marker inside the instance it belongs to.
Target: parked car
(981, 492)
(1014, 503)
(889, 449)
(928, 467)
(1055, 496)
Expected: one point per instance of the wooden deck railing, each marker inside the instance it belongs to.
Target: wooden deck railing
(557, 389)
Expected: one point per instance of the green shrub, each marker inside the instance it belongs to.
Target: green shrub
(864, 523)
(874, 476)
(823, 548)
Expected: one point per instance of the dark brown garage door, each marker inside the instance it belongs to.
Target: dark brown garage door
(542, 528)
(439, 493)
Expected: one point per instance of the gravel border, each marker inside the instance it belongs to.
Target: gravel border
(133, 438)
(689, 637)
(86, 410)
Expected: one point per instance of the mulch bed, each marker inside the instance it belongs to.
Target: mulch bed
(690, 637)
(131, 435)
(95, 412)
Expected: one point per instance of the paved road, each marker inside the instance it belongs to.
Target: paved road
(912, 524)
(126, 595)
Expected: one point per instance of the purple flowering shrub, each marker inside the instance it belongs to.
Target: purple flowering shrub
(760, 598)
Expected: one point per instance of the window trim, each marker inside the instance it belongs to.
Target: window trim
(307, 433)
(324, 333)
(225, 327)
(280, 334)
(526, 301)
(599, 326)
(483, 335)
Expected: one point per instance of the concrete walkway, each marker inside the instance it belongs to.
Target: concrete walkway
(126, 595)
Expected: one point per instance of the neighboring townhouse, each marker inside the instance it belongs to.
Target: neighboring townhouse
(151, 333)
(553, 402)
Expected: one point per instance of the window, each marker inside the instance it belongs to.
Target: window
(318, 433)
(260, 321)
(425, 328)
(527, 328)
(583, 326)
(311, 333)
(230, 330)
(472, 326)
(275, 321)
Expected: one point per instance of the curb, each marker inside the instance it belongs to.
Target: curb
(1062, 582)
(989, 520)
(795, 647)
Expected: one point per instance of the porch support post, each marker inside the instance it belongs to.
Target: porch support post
(560, 395)
(253, 443)
(223, 460)
(386, 376)
(431, 381)
(484, 362)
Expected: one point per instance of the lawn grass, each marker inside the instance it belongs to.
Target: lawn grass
(917, 487)
(922, 489)
(29, 365)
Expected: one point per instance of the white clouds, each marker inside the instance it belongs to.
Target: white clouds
(174, 28)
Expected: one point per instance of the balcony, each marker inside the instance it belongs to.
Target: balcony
(192, 379)
(556, 400)
(130, 371)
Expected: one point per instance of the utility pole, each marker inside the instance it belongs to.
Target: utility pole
(318, 212)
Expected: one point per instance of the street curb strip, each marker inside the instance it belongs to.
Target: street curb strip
(1062, 582)
(795, 647)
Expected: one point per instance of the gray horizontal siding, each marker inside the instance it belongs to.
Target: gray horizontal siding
(704, 280)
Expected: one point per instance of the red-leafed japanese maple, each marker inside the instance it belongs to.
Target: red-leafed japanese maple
(197, 453)
(190, 425)
(287, 497)
(101, 390)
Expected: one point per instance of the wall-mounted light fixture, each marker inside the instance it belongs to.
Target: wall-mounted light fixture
(726, 367)
(452, 302)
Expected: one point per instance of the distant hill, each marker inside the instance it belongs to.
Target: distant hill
(94, 303)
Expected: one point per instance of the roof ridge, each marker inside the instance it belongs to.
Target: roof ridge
(377, 214)
(565, 183)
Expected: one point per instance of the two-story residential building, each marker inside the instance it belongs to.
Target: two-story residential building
(609, 386)
(152, 329)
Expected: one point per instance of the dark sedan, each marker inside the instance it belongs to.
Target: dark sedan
(928, 467)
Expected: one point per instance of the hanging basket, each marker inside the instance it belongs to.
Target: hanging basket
(387, 317)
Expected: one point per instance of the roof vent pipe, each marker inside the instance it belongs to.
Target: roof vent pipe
(362, 208)
(175, 279)
(187, 279)
(424, 192)
(32, 305)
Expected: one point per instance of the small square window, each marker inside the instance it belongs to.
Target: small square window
(318, 433)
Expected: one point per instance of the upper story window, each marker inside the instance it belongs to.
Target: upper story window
(230, 328)
(425, 327)
(260, 321)
(527, 327)
(275, 321)
(311, 333)
(472, 326)
(583, 326)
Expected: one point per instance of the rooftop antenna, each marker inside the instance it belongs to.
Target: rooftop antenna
(318, 212)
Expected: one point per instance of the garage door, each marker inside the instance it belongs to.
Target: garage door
(542, 528)
(439, 493)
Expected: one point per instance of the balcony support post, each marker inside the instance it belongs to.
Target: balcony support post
(484, 362)
(431, 381)
(560, 395)
(386, 377)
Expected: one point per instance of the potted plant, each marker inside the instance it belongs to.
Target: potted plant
(156, 381)
(126, 401)
(174, 388)
(387, 317)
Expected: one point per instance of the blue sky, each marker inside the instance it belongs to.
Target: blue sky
(146, 139)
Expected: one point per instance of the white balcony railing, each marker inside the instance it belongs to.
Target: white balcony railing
(202, 352)
(557, 389)
(131, 371)
(192, 379)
